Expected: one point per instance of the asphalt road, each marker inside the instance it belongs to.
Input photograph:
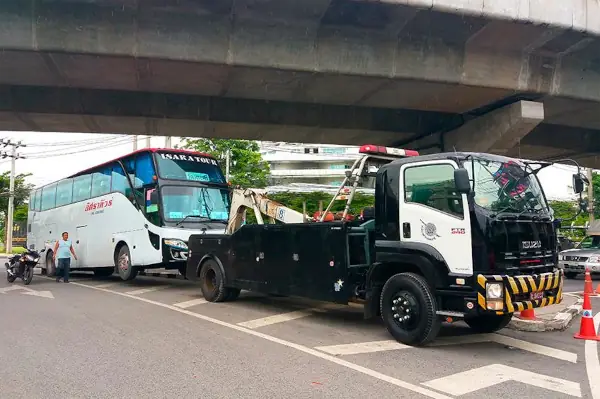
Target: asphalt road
(156, 338)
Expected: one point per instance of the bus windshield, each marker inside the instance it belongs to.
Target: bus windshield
(194, 203)
(184, 166)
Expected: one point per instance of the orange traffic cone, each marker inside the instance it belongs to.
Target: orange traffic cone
(588, 287)
(587, 329)
(527, 314)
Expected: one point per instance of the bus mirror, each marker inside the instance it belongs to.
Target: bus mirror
(461, 181)
(577, 183)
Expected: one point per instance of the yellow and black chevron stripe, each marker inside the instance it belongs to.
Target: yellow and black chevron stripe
(515, 286)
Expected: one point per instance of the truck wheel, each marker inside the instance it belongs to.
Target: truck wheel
(408, 309)
(570, 275)
(124, 267)
(50, 266)
(488, 323)
(212, 282)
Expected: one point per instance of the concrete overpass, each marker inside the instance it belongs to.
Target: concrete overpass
(520, 77)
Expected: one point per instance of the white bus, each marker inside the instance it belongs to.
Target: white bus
(132, 213)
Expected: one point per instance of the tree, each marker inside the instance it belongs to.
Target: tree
(247, 167)
(22, 191)
(566, 210)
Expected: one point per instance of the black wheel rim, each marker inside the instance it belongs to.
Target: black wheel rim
(405, 310)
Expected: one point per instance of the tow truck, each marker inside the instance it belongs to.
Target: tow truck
(452, 236)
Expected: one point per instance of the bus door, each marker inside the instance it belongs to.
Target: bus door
(80, 245)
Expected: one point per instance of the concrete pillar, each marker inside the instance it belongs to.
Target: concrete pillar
(498, 131)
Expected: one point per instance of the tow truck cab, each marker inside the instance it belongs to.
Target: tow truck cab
(487, 247)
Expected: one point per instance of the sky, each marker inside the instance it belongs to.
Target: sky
(52, 156)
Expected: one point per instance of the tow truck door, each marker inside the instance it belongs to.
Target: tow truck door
(433, 216)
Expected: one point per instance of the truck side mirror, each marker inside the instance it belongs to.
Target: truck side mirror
(461, 181)
(577, 183)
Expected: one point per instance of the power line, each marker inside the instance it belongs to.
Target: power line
(80, 151)
(81, 146)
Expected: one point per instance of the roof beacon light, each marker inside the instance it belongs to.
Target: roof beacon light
(378, 149)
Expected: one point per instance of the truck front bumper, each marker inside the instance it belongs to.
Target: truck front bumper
(519, 292)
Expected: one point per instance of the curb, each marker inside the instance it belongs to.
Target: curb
(560, 322)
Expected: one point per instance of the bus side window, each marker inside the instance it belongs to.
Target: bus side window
(101, 183)
(119, 180)
(144, 169)
(64, 192)
(82, 187)
(38, 200)
(49, 197)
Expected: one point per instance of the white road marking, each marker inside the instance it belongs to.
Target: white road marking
(10, 288)
(363, 347)
(592, 363)
(106, 285)
(388, 345)
(301, 348)
(487, 376)
(278, 318)
(536, 348)
(146, 290)
(189, 304)
(42, 294)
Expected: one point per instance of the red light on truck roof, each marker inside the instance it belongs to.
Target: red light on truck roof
(378, 149)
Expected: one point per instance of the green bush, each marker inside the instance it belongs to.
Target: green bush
(15, 250)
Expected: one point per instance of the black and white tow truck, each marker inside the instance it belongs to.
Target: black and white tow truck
(452, 236)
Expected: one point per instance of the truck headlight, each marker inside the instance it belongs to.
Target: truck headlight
(177, 244)
(593, 259)
(494, 290)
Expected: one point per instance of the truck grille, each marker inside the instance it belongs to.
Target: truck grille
(527, 262)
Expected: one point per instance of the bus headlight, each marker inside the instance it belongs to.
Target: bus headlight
(177, 244)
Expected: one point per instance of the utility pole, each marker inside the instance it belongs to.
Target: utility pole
(590, 194)
(168, 142)
(227, 162)
(135, 142)
(148, 143)
(11, 191)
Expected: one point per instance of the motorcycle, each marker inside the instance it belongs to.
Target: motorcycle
(22, 265)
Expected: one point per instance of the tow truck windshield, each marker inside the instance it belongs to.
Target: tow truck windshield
(506, 187)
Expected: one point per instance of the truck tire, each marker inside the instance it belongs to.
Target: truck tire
(212, 282)
(408, 309)
(50, 266)
(570, 275)
(488, 323)
(123, 264)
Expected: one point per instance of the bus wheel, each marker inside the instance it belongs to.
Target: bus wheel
(212, 282)
(408, 309)
(50, 266)
(126, 270)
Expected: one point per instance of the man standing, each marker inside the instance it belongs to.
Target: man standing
(63, 250)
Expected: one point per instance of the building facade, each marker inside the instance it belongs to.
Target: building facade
(308, 163)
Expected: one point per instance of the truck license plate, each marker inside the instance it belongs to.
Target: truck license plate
(536, 296)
